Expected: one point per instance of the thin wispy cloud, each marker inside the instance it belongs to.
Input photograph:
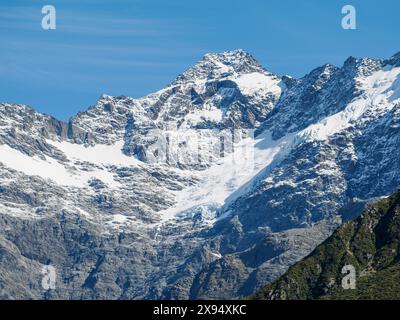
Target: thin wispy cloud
(79, 23)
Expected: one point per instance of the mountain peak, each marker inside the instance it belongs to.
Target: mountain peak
(362, 66)
(324, 69)
(105, 96)
(396, 55)
(219, 65)
(239, 60)
(232, 56)
(394, 60)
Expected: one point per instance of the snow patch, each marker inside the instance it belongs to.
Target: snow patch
(100, 154)
(212, 114)
(252, 83)
(51, 169)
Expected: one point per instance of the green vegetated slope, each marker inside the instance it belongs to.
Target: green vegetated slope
(370, 243)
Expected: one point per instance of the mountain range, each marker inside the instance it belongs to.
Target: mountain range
(209, 188)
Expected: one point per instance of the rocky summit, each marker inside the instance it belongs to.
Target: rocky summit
(209, 188)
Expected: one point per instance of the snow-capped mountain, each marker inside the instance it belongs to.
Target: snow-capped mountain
(208, 188)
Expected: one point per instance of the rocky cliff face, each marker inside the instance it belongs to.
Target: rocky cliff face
(209, 188)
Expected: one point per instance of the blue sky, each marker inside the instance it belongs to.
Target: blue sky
(134, 47)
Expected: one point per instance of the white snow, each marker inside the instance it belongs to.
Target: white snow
(15, 211)
(222, 68)
(212, 114)
(118, 219)
(100, 155)
(256, 82)
(382, 88)
(232, 176)
(217, 255)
